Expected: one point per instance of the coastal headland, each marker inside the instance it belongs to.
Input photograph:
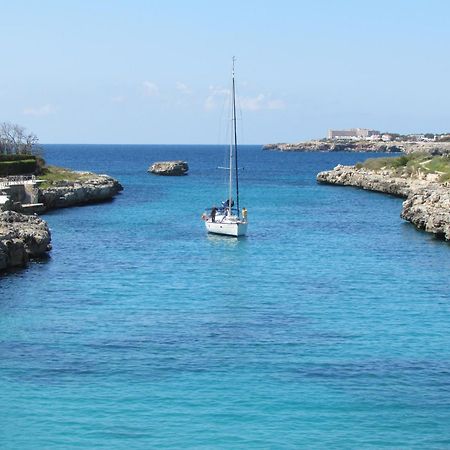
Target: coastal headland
(23, 236)
(331, 145)
(29, 187)
(62, 188)
(422, 179)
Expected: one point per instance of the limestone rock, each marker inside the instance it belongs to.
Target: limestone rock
(22, 237)
(170, 168)
(427, 203)
(434, 148)
(382, 181)
(95, 188)
(429, 210)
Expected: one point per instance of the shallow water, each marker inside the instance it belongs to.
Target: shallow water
(327, 326)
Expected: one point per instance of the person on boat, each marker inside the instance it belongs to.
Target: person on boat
(213, 214)
(226, 203)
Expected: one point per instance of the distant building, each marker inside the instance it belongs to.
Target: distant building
(352, 133)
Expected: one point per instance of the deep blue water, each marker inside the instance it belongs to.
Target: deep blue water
(327, 327)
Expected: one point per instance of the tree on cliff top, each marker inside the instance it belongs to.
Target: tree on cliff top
(14, 140)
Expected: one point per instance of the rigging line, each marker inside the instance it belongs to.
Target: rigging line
(226, 161)
(241, 123)
(241, 126)
(235, 143)
(224, 107)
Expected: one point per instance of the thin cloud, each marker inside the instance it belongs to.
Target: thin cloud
(183, 88)
(150, 88)
(276, 104)
(118, 99)
(215, 93)
(256, 103)
(260, 102)
(39, 111)
(252, 103)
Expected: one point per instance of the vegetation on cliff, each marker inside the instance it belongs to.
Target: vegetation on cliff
(416, 178)
(53, 175)
(414, 164)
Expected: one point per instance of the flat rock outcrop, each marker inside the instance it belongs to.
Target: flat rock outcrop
(434, 148)
(169, 168)
(92, 188)
(427, 203)
(21, 238)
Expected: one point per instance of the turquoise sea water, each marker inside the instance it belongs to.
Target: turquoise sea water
(327, 327)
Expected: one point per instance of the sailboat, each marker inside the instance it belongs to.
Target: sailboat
(228, 219)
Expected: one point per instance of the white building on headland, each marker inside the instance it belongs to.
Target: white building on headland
(353, 133)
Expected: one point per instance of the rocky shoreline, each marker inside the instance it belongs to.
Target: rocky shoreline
(434, 148)
(22, 238)
(427, 203)
(92, 189)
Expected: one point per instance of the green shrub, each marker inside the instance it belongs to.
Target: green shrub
(16, 157)
(21, 167)
(53, 174)
(377, 163)
(401, 161)
(439, 164)
(412, 164)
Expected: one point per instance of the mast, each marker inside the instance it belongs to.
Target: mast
(234, 139)
(230, 165)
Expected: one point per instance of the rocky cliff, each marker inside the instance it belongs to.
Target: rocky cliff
(21, 238)
(170, 168)
(427, 203)
(90, 188)
(434, 148)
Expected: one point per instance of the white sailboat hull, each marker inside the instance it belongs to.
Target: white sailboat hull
(226, 228)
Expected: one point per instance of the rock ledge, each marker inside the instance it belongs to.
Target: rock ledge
(427, 203)
(91, 189)
(169, 168)
(21, 238)
(434, 148)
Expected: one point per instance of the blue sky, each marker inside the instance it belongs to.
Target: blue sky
(135, 71)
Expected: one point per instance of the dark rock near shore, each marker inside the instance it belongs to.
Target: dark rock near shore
(21, 238)
(427, 203)
(169, 168)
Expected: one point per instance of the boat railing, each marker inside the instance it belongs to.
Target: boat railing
(222, 210)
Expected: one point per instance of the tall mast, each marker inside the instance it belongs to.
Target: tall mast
(230, 165)
(234, 137)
